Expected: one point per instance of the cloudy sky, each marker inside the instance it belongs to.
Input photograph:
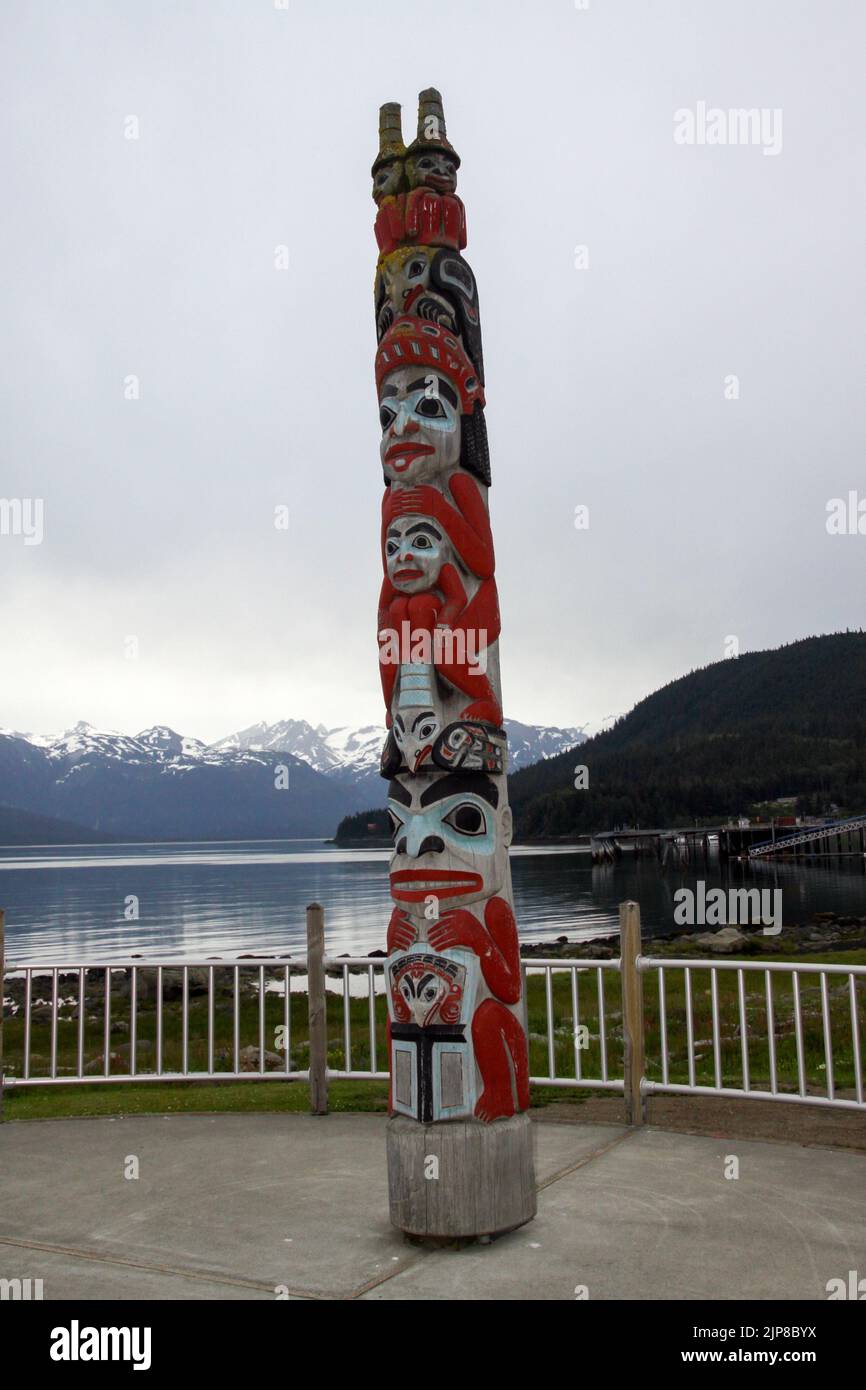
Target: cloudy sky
(609, 369)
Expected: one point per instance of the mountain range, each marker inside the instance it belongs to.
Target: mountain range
(283, 780)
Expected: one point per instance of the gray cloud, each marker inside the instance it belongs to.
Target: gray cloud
(155, 257)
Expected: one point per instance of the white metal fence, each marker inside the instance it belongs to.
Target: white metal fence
(579, 1037)
(792, 1031)
(593, 1025)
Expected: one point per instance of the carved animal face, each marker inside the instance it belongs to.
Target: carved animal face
(415, 550)
(427, 989)
(415, 732)
(422, 991)
(432, 284)
(445, 840)
(420, 416)
(403, 276)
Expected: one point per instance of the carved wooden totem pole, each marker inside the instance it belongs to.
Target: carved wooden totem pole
(459, 1141)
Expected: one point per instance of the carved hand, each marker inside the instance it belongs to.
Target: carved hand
(457, 928)
(402, 932)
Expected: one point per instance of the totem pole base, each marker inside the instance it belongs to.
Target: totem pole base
(482, 1183)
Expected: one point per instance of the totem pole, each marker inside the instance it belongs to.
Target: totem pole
(459, 1141)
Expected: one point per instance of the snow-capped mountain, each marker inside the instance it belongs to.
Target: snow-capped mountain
(352, 754)
(532, 743)
(159, 784)
(346, 750)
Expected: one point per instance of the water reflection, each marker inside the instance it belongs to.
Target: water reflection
(68, 904)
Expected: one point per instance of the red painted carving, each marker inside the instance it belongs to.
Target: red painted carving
(467, 525)
(477, 621)
(421, 217)
(495, 943)
(500, 1046)
(438, 602)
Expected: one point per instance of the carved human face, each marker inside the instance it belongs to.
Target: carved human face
(420, 416)
(387, 179)
(415, 732)
(434, 169)
(450, 840)
(414, 554)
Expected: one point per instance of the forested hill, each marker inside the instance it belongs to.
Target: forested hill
(747, 730)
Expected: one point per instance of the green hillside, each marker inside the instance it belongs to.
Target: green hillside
(789, 722)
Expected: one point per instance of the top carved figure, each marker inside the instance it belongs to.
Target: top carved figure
(432, 161)
(415, 188)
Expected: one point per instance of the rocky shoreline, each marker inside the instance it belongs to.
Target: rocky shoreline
(825, 931)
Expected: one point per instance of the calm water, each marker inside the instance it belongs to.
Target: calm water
(67, 904)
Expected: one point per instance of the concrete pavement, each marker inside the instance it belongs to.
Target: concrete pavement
(236, 1206)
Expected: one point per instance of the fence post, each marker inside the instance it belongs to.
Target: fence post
(316, 1005)
(2, 983)
(632, 1012)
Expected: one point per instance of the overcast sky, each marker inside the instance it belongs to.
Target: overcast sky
(606, 385)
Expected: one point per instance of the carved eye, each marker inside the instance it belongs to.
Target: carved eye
(427, 730)
(431, 407)
(467, 818)
(415, 268)
(422, 542)
(386, 415)
(391, 548)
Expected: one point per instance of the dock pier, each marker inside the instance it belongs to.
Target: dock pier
(819, 840)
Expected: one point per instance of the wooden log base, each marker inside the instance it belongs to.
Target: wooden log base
(462, 1179)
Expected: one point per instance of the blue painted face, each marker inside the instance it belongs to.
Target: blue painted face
(414, 553)
(464, 823)
(420, 418)
(447, 849)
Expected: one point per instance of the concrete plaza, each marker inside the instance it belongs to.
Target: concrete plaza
(237, 1206)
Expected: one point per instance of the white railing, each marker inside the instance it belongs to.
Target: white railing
(839, 1031)
(587, 1031)
(68, 1000)
(363, 969)
(585, 1020)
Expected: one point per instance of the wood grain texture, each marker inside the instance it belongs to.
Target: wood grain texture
(632, 1012)
(485, 1183)
(316, 1005)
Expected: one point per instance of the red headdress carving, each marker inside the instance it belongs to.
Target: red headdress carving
(412, 341)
